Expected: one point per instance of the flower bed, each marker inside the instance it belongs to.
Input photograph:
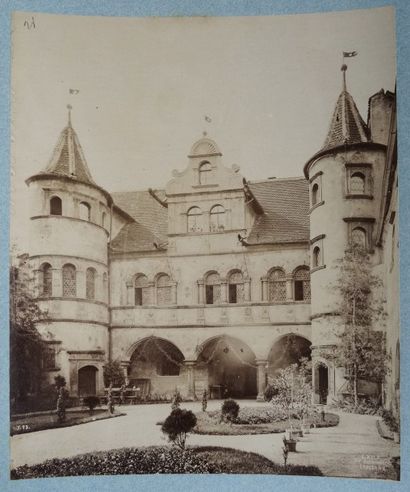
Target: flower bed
(159, 459)
(256, 421)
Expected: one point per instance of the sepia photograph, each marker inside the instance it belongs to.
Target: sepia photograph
(204, 245)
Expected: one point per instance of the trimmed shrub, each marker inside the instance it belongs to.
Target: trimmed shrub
(270, 392)
(91, 402)
(177, 426)
(230, 410)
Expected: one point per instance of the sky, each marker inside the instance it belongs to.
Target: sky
(268, 84)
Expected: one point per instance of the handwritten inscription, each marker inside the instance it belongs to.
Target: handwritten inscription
(30, 24)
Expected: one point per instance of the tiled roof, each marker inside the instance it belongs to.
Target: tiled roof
(286, 211)
(68, 158)
(347, 126)
(150, 221)
(285, 203)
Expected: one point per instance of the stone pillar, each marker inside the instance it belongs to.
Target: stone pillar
(247, 289)
(289, 288)
(190, 365)
(261, 378)
(265, 289)
(130, 293)
(153, 293)
(80, 287)
(224, 291)
(174, 293)
(201, 292)
(124, 366)
(57, 276)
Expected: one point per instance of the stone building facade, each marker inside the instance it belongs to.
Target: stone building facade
(214, 282)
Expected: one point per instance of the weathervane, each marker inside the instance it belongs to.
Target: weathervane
(346, 54)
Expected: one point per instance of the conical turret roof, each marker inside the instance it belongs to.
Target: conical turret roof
(68, 158)
(347, 126)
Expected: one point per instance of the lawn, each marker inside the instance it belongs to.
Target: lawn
(34, 423)
(160, 459)
(256, 421)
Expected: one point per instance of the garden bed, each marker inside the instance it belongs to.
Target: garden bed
(256, 421)
(160, 459)
(49, 420)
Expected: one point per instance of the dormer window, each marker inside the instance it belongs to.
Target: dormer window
(205, 173)
(194, 220)
(217, 219)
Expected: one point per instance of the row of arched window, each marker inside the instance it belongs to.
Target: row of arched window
(69, 281)
(84, 210)
(196, 219)
(235, 289)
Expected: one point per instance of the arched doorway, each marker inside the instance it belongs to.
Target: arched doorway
(231, 368)
(156, 367)
(290, 349)
(87, 381)
(321, 383)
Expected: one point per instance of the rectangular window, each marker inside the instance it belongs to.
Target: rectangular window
(209, 291)
(138, 296)
(298, 290)
(233, 294)
(49, 358)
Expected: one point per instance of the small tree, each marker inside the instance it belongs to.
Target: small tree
(91, 402)
(113, 373)
(178, 425)
(26, 345)
(61, 405)
(361, 349)
(230, 410)
(293, 391)
(176, 400)
(204, 400)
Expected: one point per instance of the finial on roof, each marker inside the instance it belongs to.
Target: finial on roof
(343, 69)
(69, 107)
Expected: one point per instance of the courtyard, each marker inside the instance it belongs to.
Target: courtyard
(352, 449)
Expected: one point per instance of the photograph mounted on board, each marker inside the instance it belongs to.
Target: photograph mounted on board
(204, 244)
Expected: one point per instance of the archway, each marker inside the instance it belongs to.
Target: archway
(321, 383)
(290, 349)
(156, 367)
(231, 368)
(87, 381)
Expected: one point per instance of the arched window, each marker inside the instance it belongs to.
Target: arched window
(357, 183)
(301, 280)
(205, 173)
(315, 194)
(236, 288)
(277, 285)
(105, 286)
(217, 219)
(69, 281)
(195, 223)
(103, 219)
(316, 257)
(90, 283)
(56, 206)
(47, 280)
(213, 288)
(164, 290)
(142, 291)
(359, 237)
(85, 211)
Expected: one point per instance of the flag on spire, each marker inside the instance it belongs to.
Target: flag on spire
(349, 54)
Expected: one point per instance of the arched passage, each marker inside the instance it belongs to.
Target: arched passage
(156, 367)
(230, 367)
(288, 350)
(87, 381)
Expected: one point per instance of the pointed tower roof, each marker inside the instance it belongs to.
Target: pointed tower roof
(347, 126)
(68, 158)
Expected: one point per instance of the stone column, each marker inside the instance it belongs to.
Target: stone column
(261, 378)
(130, 293)
(80, 287)
(201, 292)
(289, 288)
(190, 365)
(153, 293)
(247, 289)
(224, 291)
(57, 276)
(124, 366)
(265, 289)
